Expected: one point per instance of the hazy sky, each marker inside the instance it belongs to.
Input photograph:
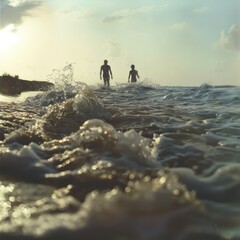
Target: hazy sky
(171, 42)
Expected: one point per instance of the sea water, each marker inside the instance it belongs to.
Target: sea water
(134, 161)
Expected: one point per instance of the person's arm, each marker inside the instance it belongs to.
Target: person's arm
(101, 73)
(137, 75)
(110, 72)
(129, 76)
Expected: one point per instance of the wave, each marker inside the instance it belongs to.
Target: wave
(134, 161)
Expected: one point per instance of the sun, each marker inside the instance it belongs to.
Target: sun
(8, 37)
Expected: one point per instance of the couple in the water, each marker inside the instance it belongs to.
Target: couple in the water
(106, 71)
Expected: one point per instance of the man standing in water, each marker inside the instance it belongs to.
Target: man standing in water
(104, 71)
(133, 74)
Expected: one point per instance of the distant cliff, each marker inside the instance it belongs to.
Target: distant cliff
(12, 85)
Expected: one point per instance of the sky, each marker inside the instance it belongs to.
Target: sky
(170, 42)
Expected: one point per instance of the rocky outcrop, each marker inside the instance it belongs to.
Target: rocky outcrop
(10, 85)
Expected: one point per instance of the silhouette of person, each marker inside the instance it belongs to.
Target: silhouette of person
(133, 74)
(104, 72)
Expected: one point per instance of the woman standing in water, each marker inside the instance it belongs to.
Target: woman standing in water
(133, 74)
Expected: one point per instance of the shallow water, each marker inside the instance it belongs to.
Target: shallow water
(137, 161)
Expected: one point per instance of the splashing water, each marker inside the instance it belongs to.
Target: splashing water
(130, 162)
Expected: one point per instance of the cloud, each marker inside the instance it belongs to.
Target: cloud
(121, 14)
(230, 40)
(68, 10)
(180, 26)
(16, 3)
(80, 13)
(13, 11)
(113, 49)
(201, 10)
(118, 15)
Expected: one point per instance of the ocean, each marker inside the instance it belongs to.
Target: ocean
(130, 162)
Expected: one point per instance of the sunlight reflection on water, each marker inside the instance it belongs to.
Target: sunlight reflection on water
(18, 98)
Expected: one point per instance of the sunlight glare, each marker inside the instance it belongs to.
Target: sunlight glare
(8, 37)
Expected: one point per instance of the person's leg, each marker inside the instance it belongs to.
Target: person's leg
(107, 78)
(106, 81)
